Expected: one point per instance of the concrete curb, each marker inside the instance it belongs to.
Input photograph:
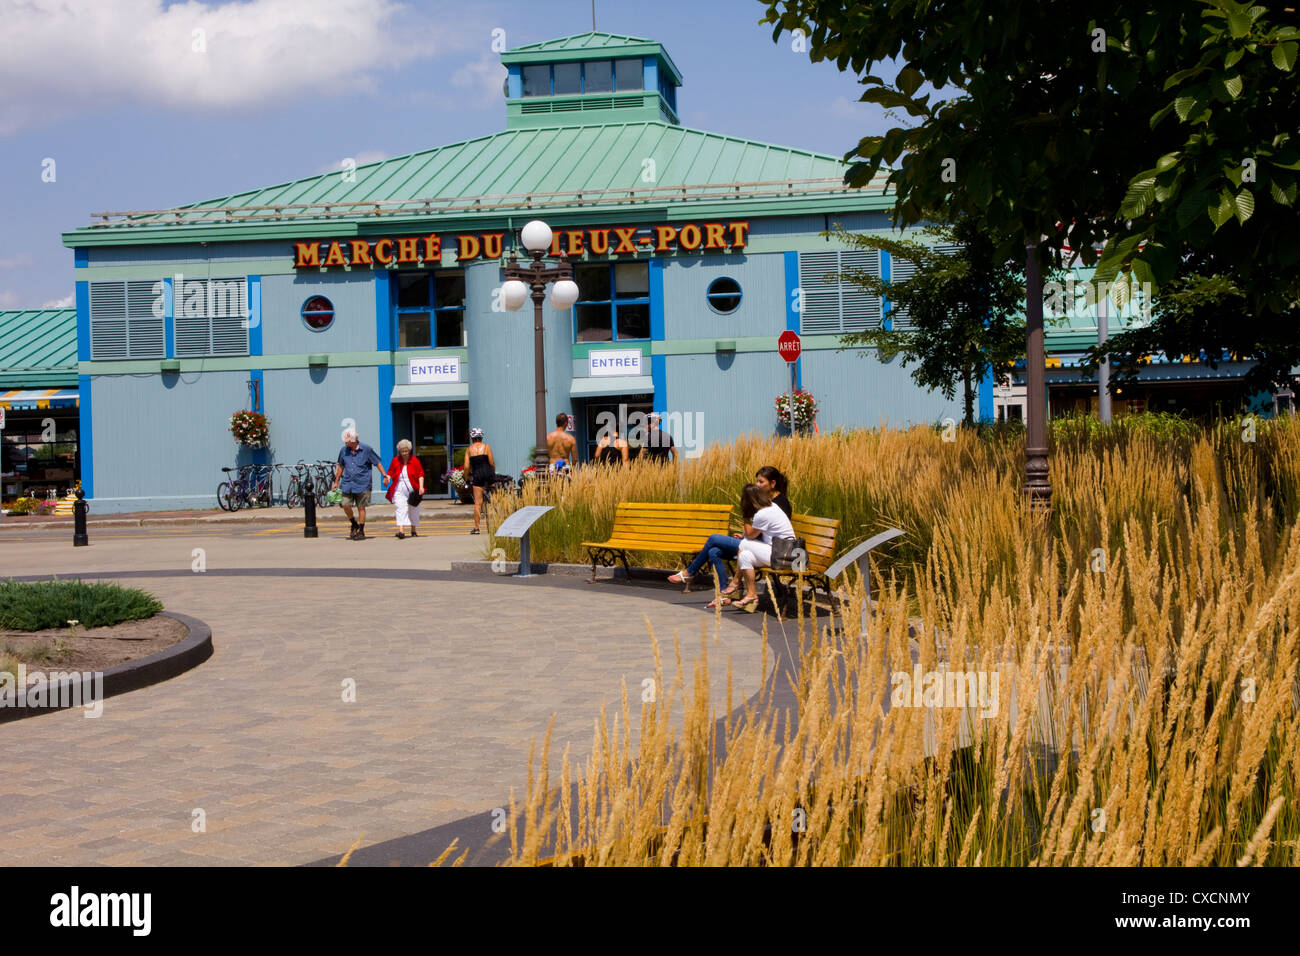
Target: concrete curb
(189, 652)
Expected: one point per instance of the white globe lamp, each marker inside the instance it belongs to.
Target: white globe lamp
(514, 294)
(536, 236)
(563, 294)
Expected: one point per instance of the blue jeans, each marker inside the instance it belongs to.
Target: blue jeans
(716, 550)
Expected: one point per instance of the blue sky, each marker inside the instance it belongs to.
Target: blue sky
(135, 117)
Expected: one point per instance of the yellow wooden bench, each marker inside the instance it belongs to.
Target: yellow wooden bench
(652, 526)
(810, 569)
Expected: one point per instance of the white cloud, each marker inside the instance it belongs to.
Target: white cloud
(476, 84)
(64, 303)
(481, 80)
(20, 261)
(59, 57)
(9, 300)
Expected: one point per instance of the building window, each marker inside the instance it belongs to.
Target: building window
(210, 316)
(127, 320)
(724, 295)
(628, 75)
(537, 80)
(834, 304)
(318, 313)
(567, 78)
(431, 309)
(613, 303)
(593, 76)
(598, 76)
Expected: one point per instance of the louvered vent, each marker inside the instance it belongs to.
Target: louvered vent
(210, 317)
(582, 104)
(831, 305)
(126, 320)
(900, 270)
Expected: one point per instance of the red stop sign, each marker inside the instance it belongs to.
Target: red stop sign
(789, 346)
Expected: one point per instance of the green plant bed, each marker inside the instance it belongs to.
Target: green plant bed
(45, 604)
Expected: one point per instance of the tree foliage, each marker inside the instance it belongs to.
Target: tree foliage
(1165, 132)
(963, 306)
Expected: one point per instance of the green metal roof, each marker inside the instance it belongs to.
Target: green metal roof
(38, 347)
(584, 170)
(581, 41)
(585, 46)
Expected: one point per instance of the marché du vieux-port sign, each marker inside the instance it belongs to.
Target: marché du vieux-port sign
(599, 241)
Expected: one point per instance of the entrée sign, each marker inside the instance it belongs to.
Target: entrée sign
(605, 241)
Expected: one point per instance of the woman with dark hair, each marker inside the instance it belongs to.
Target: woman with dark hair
(482, 469)
(768, 524)
(611, 449)
(720, 548)
(775, 484)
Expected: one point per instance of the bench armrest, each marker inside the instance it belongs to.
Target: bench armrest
(860, 555)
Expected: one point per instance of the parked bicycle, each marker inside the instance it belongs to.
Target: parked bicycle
(290, 484)
(246, 486)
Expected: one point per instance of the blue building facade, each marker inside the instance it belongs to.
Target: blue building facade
(371, 297)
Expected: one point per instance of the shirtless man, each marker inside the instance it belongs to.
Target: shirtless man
(561, 446)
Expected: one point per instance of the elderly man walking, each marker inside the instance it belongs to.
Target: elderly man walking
(352, 477)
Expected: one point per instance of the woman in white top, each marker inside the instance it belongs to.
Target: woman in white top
(767, 523)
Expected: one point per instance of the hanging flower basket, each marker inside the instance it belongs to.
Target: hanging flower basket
(251, 429)
(805, 409)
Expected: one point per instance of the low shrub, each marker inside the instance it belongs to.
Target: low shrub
(38, 605)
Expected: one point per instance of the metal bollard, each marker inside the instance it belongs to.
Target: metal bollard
(309, 509)
(79, 509)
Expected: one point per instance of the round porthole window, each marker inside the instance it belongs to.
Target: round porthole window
(318, 313)
(724, 295)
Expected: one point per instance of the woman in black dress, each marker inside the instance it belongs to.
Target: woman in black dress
(482, 469)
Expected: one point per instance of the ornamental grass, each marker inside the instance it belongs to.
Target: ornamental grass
(1137, 651)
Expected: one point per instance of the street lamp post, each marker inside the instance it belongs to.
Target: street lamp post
(1037, 480)
(530, 281)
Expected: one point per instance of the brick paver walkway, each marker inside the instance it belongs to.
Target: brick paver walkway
(454, 678)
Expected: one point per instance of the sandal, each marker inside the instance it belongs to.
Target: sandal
(749, 605)
(682, 578)
(720, 602)
(473, 530)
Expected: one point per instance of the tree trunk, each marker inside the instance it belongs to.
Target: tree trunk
(969, 397)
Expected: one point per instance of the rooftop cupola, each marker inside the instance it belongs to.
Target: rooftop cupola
(590, 78)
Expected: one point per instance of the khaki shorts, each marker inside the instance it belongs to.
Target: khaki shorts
(361, 500)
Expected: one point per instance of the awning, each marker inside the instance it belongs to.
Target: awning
(448, 392)
(20, 399)
(612, 385)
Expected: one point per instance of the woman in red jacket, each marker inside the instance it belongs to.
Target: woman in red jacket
(407, 479)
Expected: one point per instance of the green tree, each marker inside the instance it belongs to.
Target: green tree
(1164, 131)
(964, 308)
